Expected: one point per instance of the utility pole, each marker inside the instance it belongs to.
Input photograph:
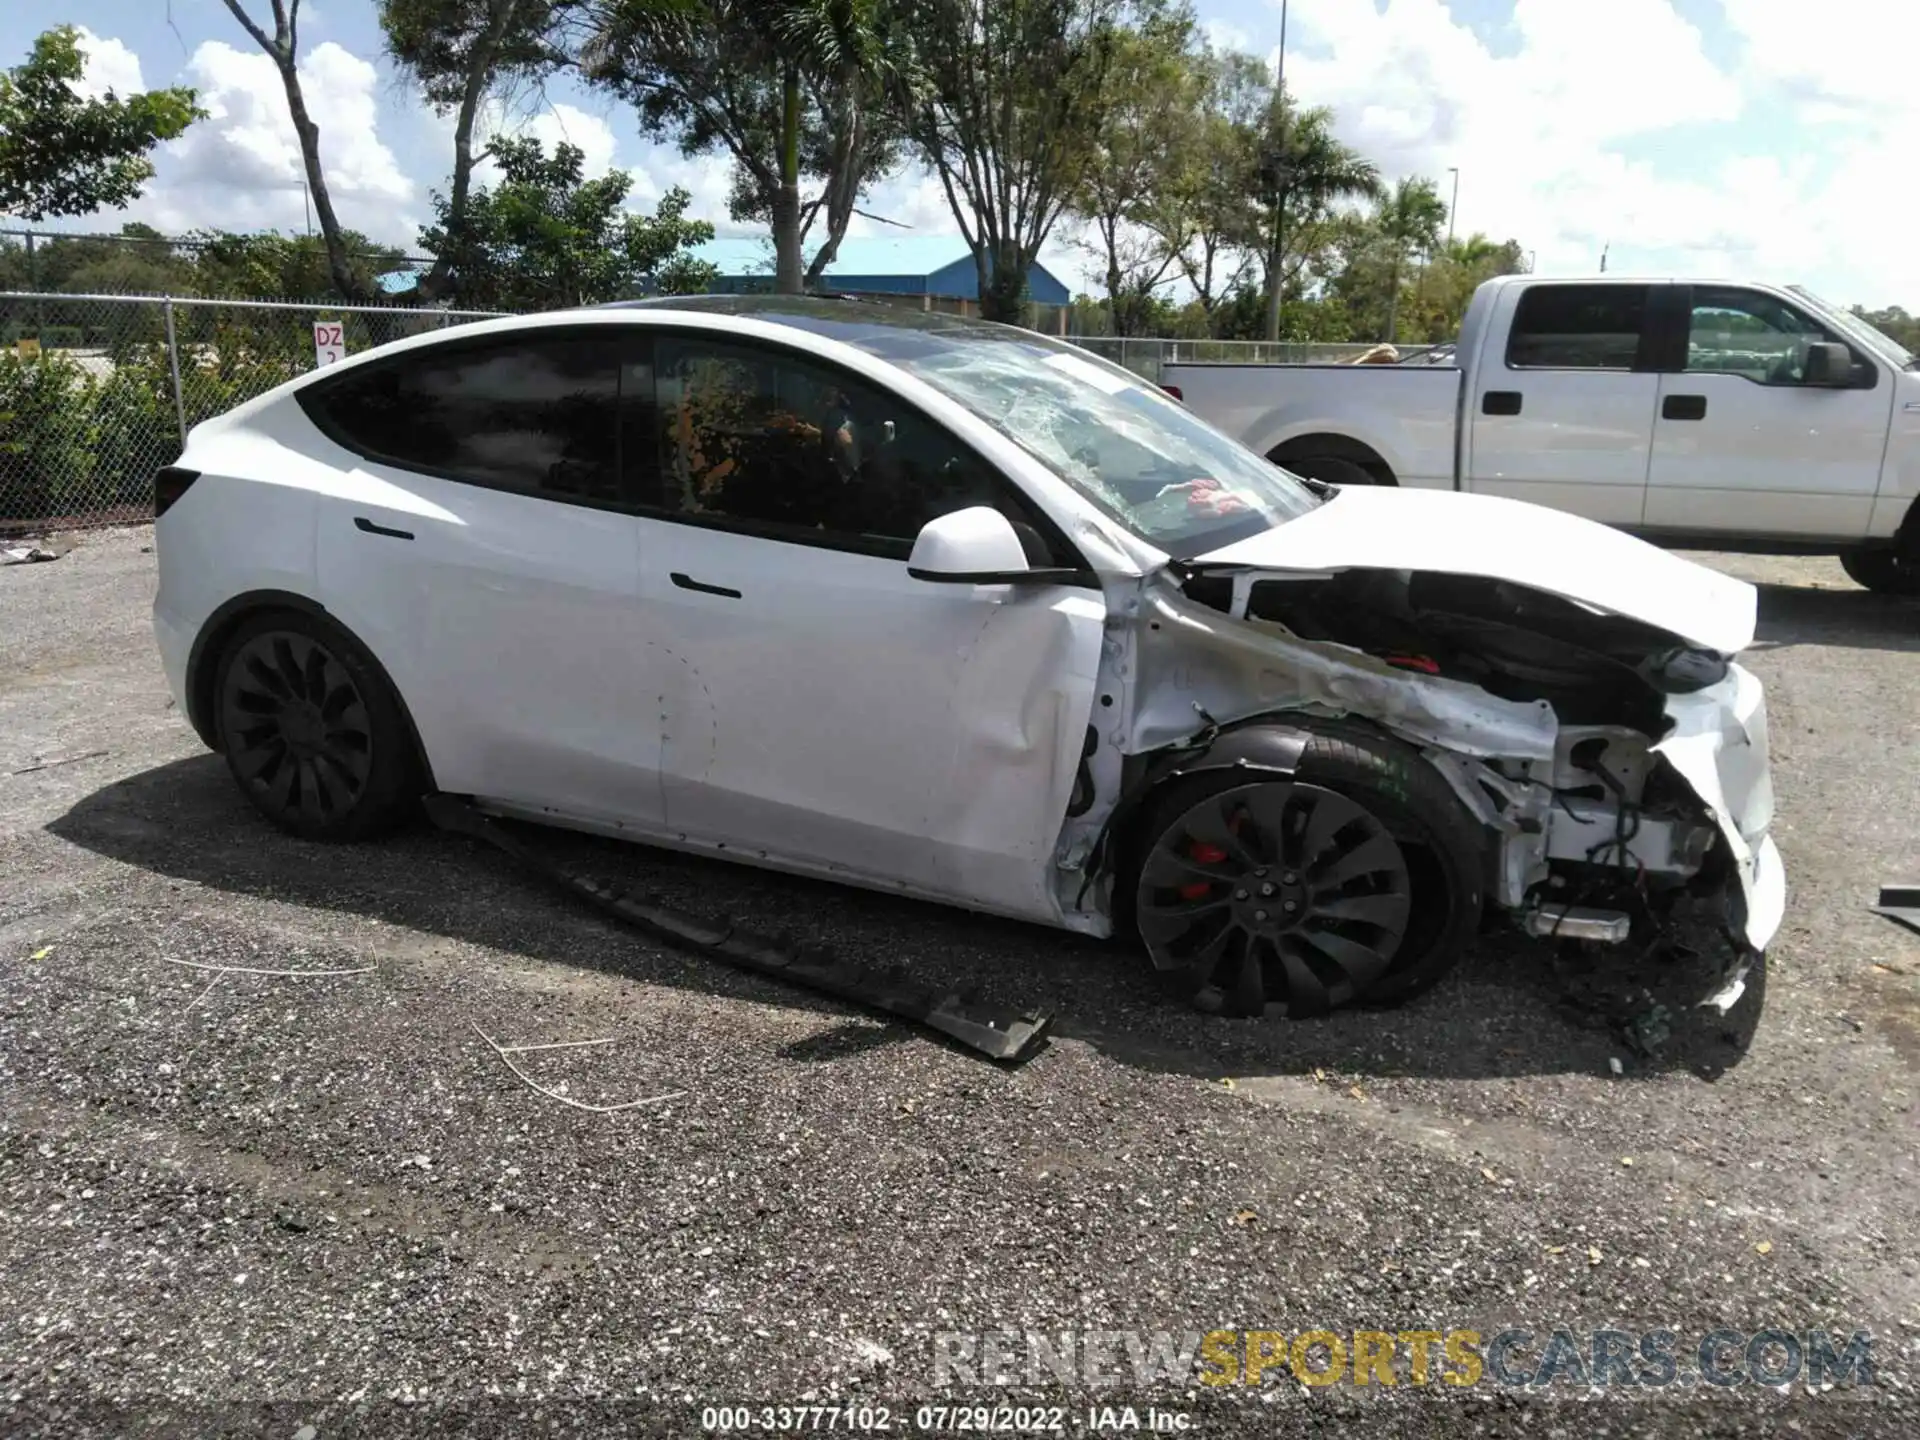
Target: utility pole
(1279, 175)
(1603, 256)
(1453, 170)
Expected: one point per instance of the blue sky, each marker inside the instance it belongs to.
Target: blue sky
(1752, 137)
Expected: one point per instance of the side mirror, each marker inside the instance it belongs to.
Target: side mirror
(1830, 365)
(976, 546)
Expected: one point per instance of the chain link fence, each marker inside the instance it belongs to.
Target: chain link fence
(98, 391)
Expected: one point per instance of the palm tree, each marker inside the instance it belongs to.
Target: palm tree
(772, 82)
(1306, 171)
(841, 48)
(1409, 220)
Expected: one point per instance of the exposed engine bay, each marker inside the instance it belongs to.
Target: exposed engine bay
(1618, 769)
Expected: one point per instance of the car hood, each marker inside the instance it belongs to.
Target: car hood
(1446, 532)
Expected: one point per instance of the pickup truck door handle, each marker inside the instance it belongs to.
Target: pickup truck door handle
(1500, 402)
(687, 582)
(1684, 407)
(360, 522)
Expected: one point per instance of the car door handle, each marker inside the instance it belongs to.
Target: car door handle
(1500, 402)
(687, 582)
(360, 522)
(1684, 407)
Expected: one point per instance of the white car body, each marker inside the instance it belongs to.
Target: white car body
(1691, 440)
(811, 709)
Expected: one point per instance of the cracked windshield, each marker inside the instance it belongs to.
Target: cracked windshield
(1136, 453)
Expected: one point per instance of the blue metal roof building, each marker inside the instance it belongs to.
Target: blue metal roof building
(936, 270)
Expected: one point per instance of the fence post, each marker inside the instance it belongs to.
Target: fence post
(173, 363)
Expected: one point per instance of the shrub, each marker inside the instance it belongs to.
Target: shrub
(46, 436)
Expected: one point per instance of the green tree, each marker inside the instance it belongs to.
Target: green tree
(791, 90)
(1446, 286)
(284, 267)
(463, 53)
(1409, 222)
(1304, 172)
(1154, 85)
(546, 238)
(1205, 211)
(1005, 104)
(62, 154)
(1896, 324)
(282, 47)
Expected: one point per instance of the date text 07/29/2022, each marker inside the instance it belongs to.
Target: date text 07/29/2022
(944, 1419)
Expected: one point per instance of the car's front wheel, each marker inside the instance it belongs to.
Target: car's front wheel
(1356, 880)
(312, 731)
(1885, 569)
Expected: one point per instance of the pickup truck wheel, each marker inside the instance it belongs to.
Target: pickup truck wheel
(1884, 569)
(1355, 882)
(1331, 469)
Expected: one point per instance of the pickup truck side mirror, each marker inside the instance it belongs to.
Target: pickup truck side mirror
(1832, 366)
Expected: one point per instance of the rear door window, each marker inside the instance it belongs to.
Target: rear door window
(528, 412)
(1579, 327)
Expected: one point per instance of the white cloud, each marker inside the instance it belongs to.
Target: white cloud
(107, 66)
(240, 168)
(552, 126)
(1542, 134)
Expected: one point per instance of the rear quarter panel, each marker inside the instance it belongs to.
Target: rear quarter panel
(246, 524)
(1405, 414)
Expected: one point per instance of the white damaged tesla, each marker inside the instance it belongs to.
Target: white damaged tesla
(957, 611)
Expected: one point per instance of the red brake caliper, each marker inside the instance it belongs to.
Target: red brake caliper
(1206, 854)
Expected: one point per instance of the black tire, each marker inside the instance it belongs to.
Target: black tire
(1439, 847)
(311, 730)
(1331, 469)
(1885, 570)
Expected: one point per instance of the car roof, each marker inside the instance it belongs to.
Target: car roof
(824, 314)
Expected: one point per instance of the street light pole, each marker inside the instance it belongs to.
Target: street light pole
(1453, 170)
(1280, 184)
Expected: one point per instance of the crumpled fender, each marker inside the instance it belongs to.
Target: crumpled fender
(1718, 745)
(1266, 749)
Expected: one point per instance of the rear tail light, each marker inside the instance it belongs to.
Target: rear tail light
(169, 484)
(1174, 390)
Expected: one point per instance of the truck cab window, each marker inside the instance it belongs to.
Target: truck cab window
(1578, 327)
(1752, 335)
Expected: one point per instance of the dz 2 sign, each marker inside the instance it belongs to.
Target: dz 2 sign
(329, 342)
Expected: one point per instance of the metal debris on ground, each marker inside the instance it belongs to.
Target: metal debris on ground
(26, 554)
(63, 760)
(1900, 904)
(276, 974)
(990, 1030)
(507, 1052)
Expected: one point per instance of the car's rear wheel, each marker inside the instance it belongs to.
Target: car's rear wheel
(1355, 881)
(312, 731)
(1886, 569)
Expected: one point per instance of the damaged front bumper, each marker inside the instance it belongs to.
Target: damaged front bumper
(1718, 745)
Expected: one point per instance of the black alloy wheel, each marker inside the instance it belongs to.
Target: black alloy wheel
(297, 728)
(1274, 898)
(313, 730)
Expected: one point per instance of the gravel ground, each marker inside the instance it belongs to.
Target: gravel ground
(251, 1204)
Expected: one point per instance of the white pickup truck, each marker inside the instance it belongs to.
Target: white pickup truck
(1706, 415)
